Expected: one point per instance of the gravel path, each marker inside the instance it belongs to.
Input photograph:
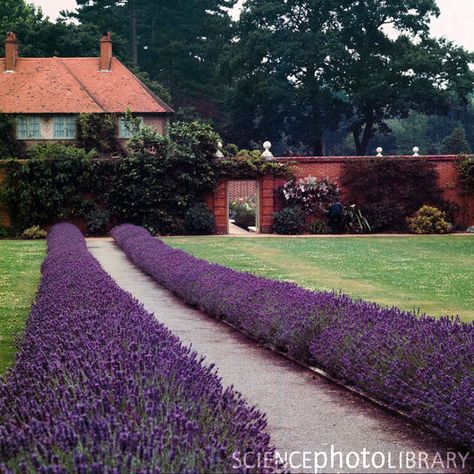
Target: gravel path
(307, 415)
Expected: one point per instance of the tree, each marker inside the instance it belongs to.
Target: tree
(178, 43)
(456, 143)
(384, 78)
(279, 63)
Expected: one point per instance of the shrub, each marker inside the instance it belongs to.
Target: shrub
(58, 151)
(429, 220)
(97, 219)
(421, 365)
(4, 231)
(289, 221)
(9, 145)
(132, 398)
(318, 226)
(148, 141)
(199, 220)
(34, 232)
(244, 212)
(354, 221)
(466, 173)
(98, 132)
(389, 190)
(312, 195)
(456, 143)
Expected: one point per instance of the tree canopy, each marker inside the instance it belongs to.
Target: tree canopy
(313, 76)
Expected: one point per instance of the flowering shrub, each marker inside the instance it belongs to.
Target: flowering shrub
(100, 386)
(312, 195)
(429, 220)
(418, 364)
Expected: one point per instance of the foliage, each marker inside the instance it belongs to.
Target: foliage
(244, 212)
(466, 173)
(96, 345)
(148, 141)
(33, 233)
(389, 190)
(97, 219)
(289, 221)
(456, 143)
(247, 164)
(58, 151)
(373, 348)
(4, 231)
(311, 194)
(9, 145)
(357, 78)
(429, 220)
(318, 226)
(199, 220)
(42, 191)
(98, 132)
(354, 221)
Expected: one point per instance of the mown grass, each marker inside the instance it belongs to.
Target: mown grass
(431, 274)
(20, 263)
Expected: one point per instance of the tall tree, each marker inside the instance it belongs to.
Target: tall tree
(387, 64)
(282, 48)
(177, 42)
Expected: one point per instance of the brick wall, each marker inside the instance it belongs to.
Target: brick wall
(241, 189)
(332, 167)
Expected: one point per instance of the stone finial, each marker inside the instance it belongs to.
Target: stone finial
(379, 151)
(219, 153)
(416, 151)
(267, 153)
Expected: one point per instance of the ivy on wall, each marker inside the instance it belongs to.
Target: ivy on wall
(388, 190)
(466, 173)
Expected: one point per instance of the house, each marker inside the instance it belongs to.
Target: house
(47, 94)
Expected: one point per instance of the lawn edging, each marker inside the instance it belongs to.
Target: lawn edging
(418, 366)
(132, 398)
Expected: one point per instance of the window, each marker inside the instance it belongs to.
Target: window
(28, 127)
(64, 127)
(124, 131)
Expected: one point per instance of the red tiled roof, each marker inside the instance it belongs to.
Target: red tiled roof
(74, 85)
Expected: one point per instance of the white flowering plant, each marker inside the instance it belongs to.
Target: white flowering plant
(311, 194)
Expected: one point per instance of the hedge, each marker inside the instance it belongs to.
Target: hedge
(420, 365)
(100, 386)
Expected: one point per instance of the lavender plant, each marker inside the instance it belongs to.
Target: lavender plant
(421, 365)
(100, 386)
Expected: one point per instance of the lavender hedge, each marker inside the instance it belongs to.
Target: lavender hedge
(100, 386)
(420, 365)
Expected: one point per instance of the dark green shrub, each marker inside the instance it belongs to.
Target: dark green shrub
(354, 221)
(97, 219)
(9, 145)
(318, 226)
(389, 190)
(34, 233)
(40, 192)
(429, 220)
(199, 220)
(5, 232)
(58, 151)
(466, 173)
(289, 221)
(98, 132)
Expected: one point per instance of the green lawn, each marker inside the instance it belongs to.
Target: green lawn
(432, 274)
(19, 277)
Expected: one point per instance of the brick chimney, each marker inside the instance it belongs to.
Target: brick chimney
(11, 52)
(105, 52)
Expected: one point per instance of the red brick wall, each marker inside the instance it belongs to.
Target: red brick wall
(332, 167)
(241, 189)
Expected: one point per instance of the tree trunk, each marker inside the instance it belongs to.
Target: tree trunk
(133, 32)
(363, 135)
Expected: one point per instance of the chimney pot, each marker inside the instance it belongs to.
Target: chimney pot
(105, 52)
(11, 52)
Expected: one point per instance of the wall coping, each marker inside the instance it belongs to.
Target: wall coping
(344, 159)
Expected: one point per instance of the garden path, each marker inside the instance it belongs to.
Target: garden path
(305, 413)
